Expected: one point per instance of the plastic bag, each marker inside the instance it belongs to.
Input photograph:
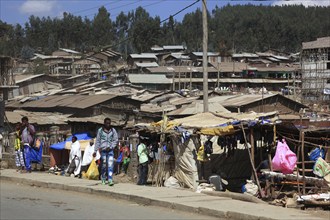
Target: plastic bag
(321, 168)
(93, 171)
(316, 153)
(284, 159)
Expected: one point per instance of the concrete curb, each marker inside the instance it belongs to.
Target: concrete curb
(142, 200)
(133, 198)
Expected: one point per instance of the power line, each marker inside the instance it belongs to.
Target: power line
(123, 41)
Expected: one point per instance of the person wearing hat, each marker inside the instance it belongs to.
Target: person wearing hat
(88, 156)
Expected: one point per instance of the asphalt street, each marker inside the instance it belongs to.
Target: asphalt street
(30, 202)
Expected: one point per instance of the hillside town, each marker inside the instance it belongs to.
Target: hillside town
(266, 133)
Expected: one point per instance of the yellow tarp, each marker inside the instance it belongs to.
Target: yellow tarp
(218, 131)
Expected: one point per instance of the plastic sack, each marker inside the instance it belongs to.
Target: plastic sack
(201, 155)
(316, 153)
(93, 171)
(250, 188)
(171, 182)
(284, 160)
(321, 168)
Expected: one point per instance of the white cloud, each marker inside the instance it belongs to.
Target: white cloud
(303, 2)
(38, 7)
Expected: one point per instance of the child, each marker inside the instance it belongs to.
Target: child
(126, 157)
(19, 159)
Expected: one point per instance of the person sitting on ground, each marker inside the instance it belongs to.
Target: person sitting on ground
(75, 158)
(88, 156)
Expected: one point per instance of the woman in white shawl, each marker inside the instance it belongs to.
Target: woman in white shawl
(88, 156)
(75, 153)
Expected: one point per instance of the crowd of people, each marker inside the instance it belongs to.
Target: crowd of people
(101, 151)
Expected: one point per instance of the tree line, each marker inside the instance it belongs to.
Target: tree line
(248, 28)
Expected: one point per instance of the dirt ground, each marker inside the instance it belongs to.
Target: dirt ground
(318, 212)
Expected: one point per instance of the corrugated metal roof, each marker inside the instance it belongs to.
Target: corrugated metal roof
(273, 59)
(280, 57)
(149, 79)
(69, 51)
(152, 64)
(248, 55)
(157, 48)
(209, 54)
(174, 47)
(208, 119)
(152, 108)
(198, 107)
(147, 96)
(238, 80)
(98, 119)
(41, 118)
(22, 77)
(73, 101)
(322, 42)
(179, 69)
(143, 56)
(242, 100)
(180, 56)
(182, 100)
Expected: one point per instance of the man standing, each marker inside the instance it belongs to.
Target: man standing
(106, 142)
(27, 132)
(143, 162)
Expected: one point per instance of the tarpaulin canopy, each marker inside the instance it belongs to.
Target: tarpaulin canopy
(83, 139)
(212, 123)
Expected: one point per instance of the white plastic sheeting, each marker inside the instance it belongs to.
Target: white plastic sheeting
(185, 162)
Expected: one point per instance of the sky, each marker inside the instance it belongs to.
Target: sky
(18, 11)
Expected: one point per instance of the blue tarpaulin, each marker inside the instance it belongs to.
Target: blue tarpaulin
(61, 145)
(36, 155)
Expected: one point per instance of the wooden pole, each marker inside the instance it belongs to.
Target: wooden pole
(218, 79)
(205, 73)
(252, 164)
(173, 79)
(190, 85)
(252, 145)
(303, 160)
(298, 153)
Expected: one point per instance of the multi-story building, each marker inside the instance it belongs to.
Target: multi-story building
(315, 67)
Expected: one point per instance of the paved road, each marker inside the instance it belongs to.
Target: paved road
(27, 202)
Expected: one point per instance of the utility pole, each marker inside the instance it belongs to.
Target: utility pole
(205, 73)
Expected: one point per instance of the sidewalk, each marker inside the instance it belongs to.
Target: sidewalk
(184, 200)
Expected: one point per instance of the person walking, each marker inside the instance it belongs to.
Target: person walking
(27, 132)
(143, 161)
(106, 142)
(75, 157)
